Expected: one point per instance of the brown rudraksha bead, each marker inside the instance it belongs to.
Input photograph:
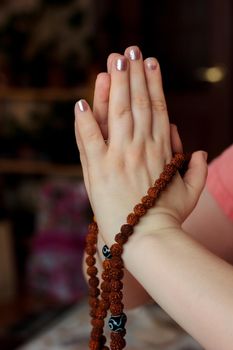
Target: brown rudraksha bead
(106, 264)
(93, 292)
(160, 184)
(117, 335)
(100, 313)
(116, 285)
(91, 239)
(116, 309)
(116, 249)
(90, 260)
(116, 274)
(132, 219)
(118, 344)
(104, 304)
(127, 229)
(105, 286)
(93, 302)
(92, 271)
(148, 202)
(170, 169)
(115, 297)
(97, 323)
(90, 250)
(117, 262)
(121, 238)
(93, 227)
(93, 282)
(94, 345)
(153, 192)
(105, 295)
(105, 276)
(139, 209)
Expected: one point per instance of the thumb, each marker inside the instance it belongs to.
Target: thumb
(195, 176)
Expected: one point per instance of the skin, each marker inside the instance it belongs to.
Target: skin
(176, 271)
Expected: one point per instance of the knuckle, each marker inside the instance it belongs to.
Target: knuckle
(141, 102)
(123, 111)
(159, 105)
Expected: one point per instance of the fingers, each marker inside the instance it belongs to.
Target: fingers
(140, 101)
(120, 125)
(160, 120)
(100, 103)
(91, 140)
(195, 177)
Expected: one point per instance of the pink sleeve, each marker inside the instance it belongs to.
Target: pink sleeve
(220, 181)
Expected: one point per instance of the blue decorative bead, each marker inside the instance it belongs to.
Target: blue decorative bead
(106, 252)
(117, 323)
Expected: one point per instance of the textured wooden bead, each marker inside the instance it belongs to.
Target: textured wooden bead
(116, 249)
(97, 332)
(139, 209)
(105, 286)
(118, 335)
(102, 341)
(93, 282)
(118, 344)
(94, 345)
(105, 276)
(116, 285)
(93, 302)
(92, 271)
(160, 184)
(116, 274)
(97, 323)
(132, 219)
(121, 238)
(91, 239)
(104, 304)
(148, 201)
(178, 160)
(153, 192)
(93, 292)
(170, 169)
(116, 309)
(165, 177)
(100, 313)
(90, 249)
(90, 260)
(93, 227)
(105, 296)
(127, 229)
(92, 313)
(115, 297)
(107, 264)
(117, 262)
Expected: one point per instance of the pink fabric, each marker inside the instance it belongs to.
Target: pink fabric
(220, 181)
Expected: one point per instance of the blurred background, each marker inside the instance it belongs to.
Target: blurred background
(50, 53)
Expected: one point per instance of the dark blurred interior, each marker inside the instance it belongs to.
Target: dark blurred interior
(50, 53)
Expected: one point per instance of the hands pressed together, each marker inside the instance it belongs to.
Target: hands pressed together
(129, 111)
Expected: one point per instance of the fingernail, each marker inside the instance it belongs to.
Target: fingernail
(121, 64)
(82, 105)
(134, 54)
(205, 155)
(151, 63)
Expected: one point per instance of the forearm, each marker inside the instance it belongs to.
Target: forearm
(190, 283)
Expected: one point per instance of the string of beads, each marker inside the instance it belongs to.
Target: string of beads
(109, 295)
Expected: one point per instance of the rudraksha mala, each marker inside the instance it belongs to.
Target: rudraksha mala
(109, 295)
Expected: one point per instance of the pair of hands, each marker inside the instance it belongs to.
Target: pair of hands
(129, 111)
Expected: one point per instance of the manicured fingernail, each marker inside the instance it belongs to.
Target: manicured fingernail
(151, 63)
(82, 105)
(121, 64)
(134, 54)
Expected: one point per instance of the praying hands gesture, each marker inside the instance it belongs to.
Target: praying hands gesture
(129, 111)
